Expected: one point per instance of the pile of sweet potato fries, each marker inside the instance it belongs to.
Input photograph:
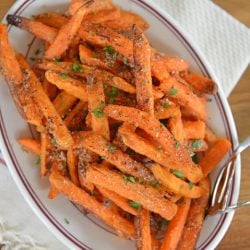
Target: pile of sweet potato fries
(122, 127)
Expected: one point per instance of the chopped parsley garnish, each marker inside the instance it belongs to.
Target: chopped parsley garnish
(38, 160)
(190, 184)
(178, 173)
(127, 178)
(112, 94)
(66, 221)
(125, 61)
(196, 144)
(166, 105)
(110, 52)
(77, 67)
(155, 184)
(98, 112)
(134, 204)
(111, 147)
(64, 76)
(195, 159)
(173, 91)
(177, 144)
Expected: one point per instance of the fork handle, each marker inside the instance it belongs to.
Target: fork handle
(234, 207)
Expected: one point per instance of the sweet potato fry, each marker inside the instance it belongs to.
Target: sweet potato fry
(54, 123)
(146, 196)
(201, 83)
(159, 132)
(195, 218)
(165, 109)
(53, 192)
(143, 235)
(96, 102)
(102, 36)
(120, 201)
(75, 118)
(50, 89)
(64, 102)
(71, 161)
(175, 184)
(32, 145)
(194, 129)
(52, 19)
(152, 151)
(38, 29)
(82, 198)
(214, 155)
(142, 71)
(98, 5)
(210, 137)
(176, 127)
(125, 22)
(84, 71)
(70, 85)
(43, 154)
(115, 156)
(67, 32)
(176, 225)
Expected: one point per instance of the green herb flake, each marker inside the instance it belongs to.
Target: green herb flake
(131, 179)
(177, 144)
(53, 141)
(134, 204)
(195, 159)
(57, 60)
(166, 105)
(77, 67)
(66, 221)
(155, 184)
(173, 91)
(38, 160)
(196, 144)
(125, 61)
(64, 76)
(98, 112)
(178, 173)
(190, 185)
(111, 147)
(164, 224)
(111, 100)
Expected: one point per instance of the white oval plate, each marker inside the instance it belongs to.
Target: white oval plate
(85, 232)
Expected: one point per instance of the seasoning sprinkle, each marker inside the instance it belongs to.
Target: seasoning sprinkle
(173, 91)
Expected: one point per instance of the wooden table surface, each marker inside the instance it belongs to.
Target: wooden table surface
(237, 236)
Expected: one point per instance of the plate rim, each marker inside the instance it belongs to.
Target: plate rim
(224, 104)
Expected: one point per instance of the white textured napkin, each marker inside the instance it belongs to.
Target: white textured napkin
(224, 41)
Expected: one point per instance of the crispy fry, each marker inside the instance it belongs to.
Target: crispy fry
(153, 152)
(176, 225)
(125, 22)
(52, 19)
(32, 145)
(147, 196)
(161, 135)
(82, 198)
(120, 201)
(210, 137)
(143, 235)
(214, 155)
(54, 123)
(50, 89)
(43, 154)
(107, 37)
(115, 156)
(98, 5)
(71, 160)
(38, 29)
(194, 129)
(96, 102)
(175, 184)
(64, 102)
(201, 83)
(67, 32)
(53, 192)
(70, 85)
(166, 109)
(142, 71)
(195, 218)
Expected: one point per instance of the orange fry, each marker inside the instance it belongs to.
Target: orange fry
(32, 145)
(194, 129)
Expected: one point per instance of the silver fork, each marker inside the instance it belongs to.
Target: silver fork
(222, 187)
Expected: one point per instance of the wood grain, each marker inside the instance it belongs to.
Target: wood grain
(237, 236)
